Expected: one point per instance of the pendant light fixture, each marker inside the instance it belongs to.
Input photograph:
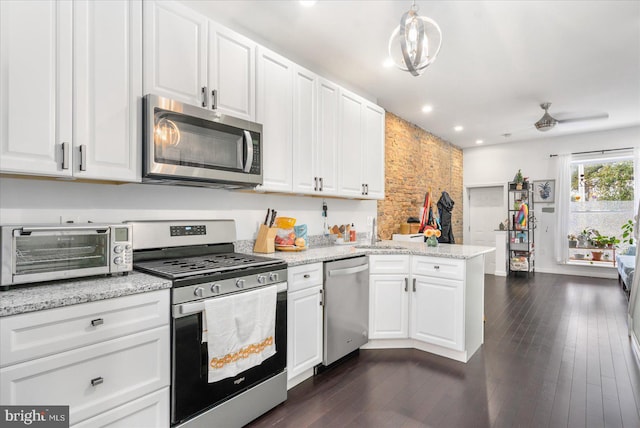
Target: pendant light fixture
(414, 43)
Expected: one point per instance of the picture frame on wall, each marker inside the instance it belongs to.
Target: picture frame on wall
(544, 191)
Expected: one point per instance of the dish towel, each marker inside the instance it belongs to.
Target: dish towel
(239, 331)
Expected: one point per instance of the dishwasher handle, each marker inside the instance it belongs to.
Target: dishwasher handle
(348, 271)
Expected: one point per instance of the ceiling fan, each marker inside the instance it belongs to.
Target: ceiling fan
(547, 121)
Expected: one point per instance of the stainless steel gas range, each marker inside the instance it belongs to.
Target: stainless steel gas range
(199, 258)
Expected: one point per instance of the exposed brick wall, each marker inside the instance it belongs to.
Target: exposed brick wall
(416, 161)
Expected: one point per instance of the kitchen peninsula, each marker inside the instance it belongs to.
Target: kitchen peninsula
(428, 298)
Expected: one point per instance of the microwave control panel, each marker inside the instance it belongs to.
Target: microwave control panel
(257, 158)
(121, 249)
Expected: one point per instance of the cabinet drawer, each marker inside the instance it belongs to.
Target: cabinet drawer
(121, 370)
(152, 410)
(301, 277)
(440, 267)
(36, 334)
(392, 264)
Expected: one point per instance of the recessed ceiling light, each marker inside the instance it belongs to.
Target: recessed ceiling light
(458, 128)
(427, 109)
(479, 141)
(307, 3)
(388, 63)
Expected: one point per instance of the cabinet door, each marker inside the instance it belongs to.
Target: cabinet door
(152, 410)
(174, 52)
(350, 156)
(304, 330)
(389, 307)
(232, 72)
(108, 89)
(305, 170)
(327, 151)
(274, 110)
(35, 87)
(437, 311)
(373, 151)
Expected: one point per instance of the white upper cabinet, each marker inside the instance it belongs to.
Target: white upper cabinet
(350, 158)
(70, 105)
(275, 113)
(107, 89)
(328, 143)
(361, 155)
(36, 87)
(191, 59)
(305, 147)
(232, 73)
(175, 52)
(373, 151)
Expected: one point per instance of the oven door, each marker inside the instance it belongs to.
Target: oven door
(34, 254)
(192, 143)
(191, 393)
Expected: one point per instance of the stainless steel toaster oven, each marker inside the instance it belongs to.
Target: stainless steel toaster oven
(39, 253)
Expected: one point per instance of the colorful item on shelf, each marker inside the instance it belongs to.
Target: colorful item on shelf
(523, 214)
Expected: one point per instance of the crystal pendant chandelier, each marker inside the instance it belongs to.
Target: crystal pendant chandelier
(414, 43)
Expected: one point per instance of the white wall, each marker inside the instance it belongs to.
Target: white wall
(497, 164)
(50, 201)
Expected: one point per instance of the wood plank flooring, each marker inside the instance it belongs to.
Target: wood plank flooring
(556, 354)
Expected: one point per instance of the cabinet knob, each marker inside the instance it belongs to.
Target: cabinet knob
(96, 322)
(307, 276)
(97, 381)
(436, 267)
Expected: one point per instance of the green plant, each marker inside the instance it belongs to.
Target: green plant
(518, 177)
(627, 232)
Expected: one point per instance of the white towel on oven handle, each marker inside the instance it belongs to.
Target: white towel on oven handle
(240, 331)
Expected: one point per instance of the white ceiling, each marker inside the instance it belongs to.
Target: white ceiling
(499, 59)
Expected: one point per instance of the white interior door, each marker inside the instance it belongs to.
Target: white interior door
(486, 211)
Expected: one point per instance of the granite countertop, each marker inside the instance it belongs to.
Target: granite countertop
(37, 297)
(321, 254)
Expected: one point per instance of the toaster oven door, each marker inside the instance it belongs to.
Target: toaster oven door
(46, 255)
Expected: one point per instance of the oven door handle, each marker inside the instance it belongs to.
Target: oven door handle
(184, 309)
(248, 144)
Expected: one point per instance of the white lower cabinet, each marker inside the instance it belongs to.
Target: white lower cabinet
(430, 303)
(112, 358)
(304, 322)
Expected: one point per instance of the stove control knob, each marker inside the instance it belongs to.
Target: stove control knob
(262, 279)
(117, 249)
(198, 292)
(240, 283)
(215, 288)
(273, 276)
(117, 260)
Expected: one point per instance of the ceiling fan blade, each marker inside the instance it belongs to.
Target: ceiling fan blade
(584, 118)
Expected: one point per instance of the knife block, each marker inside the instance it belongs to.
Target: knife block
(265, 241)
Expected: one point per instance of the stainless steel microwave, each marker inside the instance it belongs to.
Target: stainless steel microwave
(36, 253)
(189, 145)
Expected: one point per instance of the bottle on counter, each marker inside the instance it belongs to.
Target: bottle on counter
(352, 233)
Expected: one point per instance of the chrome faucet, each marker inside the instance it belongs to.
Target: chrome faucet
(373, 232)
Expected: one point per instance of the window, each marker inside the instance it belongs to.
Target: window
(602, 194)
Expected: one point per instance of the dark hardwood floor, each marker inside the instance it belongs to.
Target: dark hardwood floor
(556, 354)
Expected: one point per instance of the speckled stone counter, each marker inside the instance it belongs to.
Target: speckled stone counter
(322, 254)
(54, 295)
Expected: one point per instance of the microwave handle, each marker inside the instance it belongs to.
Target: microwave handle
(248, 142)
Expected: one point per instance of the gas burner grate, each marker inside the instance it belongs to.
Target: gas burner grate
(187, 266)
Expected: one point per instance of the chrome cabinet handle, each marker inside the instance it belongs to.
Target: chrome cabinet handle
(436, 267)
(96, 322)
(214, 99)
(414, 285)
(97, 381)
(406, 284)
(65, 155)
(83, 157)
(363, 189)
(321, 184)
(366, 187)
(321, 298)
(205, 97)
(315, 187)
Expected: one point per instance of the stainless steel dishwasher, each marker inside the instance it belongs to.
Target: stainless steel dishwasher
(346, 307)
